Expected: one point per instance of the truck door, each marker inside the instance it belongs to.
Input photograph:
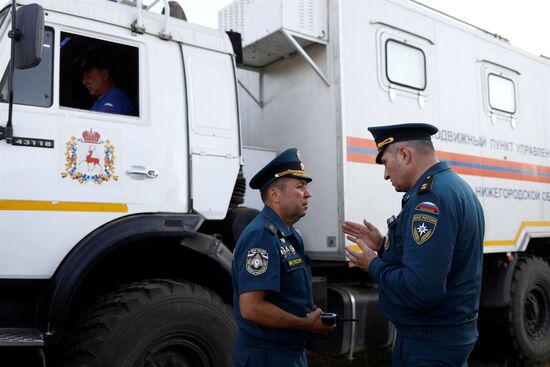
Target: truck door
(213, 129)
(68, 173)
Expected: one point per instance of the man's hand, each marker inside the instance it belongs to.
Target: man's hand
(254, 307)
(361, 258)
(366, 232)
(313, 323)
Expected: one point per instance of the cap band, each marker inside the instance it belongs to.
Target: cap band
(295, 172)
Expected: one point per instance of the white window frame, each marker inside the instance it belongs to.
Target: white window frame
(398, 82)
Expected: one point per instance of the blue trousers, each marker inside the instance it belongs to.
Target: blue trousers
(260, 357)
(410, 352)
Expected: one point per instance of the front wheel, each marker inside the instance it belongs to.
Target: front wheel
(529, 309)
(159, 323)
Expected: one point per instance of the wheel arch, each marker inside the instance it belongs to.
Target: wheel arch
(146, 245)
(496, 282)
(498, 271)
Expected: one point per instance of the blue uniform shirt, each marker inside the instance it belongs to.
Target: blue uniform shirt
(270, 257)
(114, 101)
(429, 271)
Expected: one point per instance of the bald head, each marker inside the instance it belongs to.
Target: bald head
(405, 161)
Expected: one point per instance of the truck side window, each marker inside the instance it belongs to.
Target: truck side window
(33, 86)
(502, 94)
(405, 65)
(85, 65)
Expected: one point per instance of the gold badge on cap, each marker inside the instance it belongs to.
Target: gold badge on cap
(382, 144)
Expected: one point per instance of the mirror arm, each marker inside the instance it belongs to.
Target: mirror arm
(15, 35)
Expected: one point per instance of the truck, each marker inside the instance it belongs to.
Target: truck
(116, 231)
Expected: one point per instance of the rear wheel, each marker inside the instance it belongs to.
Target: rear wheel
(529, 309)
(157, 323)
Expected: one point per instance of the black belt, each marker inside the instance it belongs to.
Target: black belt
(465, 333)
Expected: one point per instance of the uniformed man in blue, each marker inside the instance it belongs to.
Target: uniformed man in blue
(97, 78)
(273, 301)
(428, 267)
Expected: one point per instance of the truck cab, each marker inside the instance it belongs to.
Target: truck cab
(101, 212)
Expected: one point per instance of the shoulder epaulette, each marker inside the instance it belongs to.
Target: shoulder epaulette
(270, 226)
(426, 186)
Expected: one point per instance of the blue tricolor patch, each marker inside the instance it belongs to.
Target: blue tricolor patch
(428, 207)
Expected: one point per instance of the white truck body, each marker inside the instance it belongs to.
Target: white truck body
(106, 218)
(390, 62)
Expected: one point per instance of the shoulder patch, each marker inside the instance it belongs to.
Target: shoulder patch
(270, 226)
(426, 186)
(427, 207)
(423, 227)
(257, 261)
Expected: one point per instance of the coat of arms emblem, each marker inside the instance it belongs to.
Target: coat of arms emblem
(257, 261)
(89, 158)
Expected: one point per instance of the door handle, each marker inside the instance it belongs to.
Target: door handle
(142, 171)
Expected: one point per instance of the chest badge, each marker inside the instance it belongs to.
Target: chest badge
(423, 227)
(257, 261)
(386, 244)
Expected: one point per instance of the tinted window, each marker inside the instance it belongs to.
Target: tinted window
(80, 86)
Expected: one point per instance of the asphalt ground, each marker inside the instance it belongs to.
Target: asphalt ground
(382, 358)
(27, 357)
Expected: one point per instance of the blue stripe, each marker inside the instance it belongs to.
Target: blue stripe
(499, 169)
(366, 151)
(360, 150)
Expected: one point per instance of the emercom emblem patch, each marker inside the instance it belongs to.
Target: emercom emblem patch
(257, 261)
(423, 227)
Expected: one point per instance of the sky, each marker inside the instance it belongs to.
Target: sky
(523, 22)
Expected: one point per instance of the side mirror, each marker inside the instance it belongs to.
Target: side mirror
(29, 36)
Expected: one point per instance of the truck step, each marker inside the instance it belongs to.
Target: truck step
(11, 337)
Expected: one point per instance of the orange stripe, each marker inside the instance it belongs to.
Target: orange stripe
(497, 174)
(35, 205)
(447, 156)
(360, 142)
(361, 158)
